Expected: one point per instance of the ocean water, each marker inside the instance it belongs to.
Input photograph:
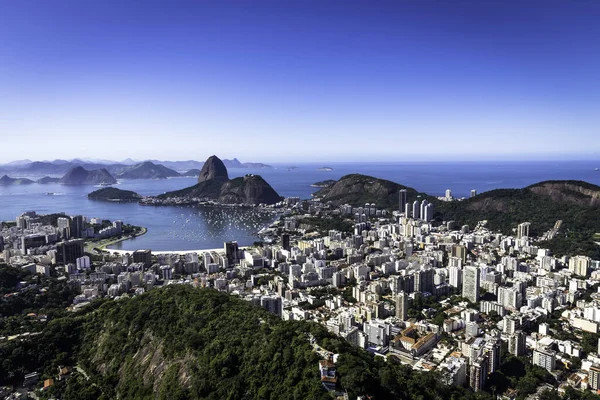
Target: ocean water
(186, 228)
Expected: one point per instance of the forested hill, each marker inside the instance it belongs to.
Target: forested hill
(357, 189)
(180, 342)
(576, 203)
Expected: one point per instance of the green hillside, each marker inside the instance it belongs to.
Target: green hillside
(184, 343)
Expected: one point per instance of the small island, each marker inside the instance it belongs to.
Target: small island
(47, 179)
(325, 169)
(192, 173)
(7, 180)
(324, 184)
(115, 195)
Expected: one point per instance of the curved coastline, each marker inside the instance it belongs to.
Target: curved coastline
(103, 246)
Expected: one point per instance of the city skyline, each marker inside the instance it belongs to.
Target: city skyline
(300, 81)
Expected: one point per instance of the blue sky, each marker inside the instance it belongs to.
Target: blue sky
(300, 80)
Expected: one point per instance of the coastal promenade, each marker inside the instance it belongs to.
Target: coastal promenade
(112, 251)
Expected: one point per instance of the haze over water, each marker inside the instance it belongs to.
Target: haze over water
(187, 228)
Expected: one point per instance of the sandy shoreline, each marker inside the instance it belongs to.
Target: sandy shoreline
(169, 251)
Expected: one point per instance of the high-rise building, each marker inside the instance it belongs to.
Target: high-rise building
(473, 192)
(492, 349)
(471, 282)
(407, 209)
(402, 306)
(143, 256)
(422, 208)
(402, 200)
(424, 280)
(544, 358)
(460, 252)
(69, 251)
(523, 230)
(272, 303)
(416, 210)
(580, 265)
(118, 225)
(455, 277)
(428, 213)
(231, 252)
(516, 343)
(77, 226)
(285, 241)
(594, 377)
(448, 194)
(478, 372)
(64, 227)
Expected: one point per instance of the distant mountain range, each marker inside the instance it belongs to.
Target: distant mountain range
(127, 169)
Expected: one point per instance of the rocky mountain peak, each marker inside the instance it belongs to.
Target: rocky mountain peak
(213, 168)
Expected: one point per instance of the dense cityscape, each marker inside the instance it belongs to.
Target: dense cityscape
(472, 304)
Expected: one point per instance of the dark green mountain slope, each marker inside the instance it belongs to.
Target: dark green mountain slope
(114, 194)
(356, 190)
(576, 203)
(184, 343)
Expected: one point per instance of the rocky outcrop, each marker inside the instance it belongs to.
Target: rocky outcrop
(575, 192)
(250, 189)
(214, 184)
(81, 176)
(213, 168)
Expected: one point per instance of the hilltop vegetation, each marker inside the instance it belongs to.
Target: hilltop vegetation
(356, 190)
(576, 203)
(184, 343)
(114, 194)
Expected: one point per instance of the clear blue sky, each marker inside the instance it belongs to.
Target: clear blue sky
(299, 80)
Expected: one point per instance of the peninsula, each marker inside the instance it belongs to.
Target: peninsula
(214, 185)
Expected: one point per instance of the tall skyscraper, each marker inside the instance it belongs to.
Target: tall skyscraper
(455, 277)
(402, 200)
(516, 343)
(580, 265)
(460, 252)
(64, 227)
(424, 280)
(231, 252)
(492, 349)
(68, 252)
(523, 230)
(285, 241)
(422, 210)
(143, 256)
(478, 372)
(416, 210)
(407, 209)
(544, 358)
(402, 306)
(448, 194)
(473, 192)
(77, 226)
(594, 377)
(427, 215)
(471, 282)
